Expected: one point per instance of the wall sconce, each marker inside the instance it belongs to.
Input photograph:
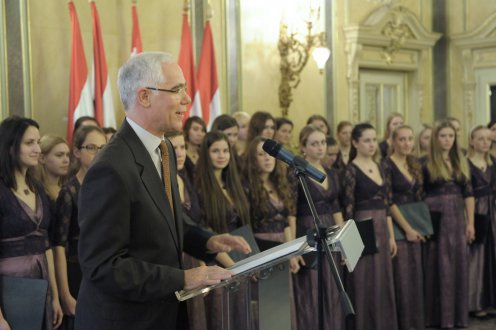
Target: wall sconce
(294, 52)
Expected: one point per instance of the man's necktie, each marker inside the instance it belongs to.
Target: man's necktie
(166, 173)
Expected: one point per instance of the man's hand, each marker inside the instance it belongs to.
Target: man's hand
(204, 275)
(226, 243)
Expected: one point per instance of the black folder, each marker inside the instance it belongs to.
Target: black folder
(366, 229)
(481, 226)
(23, 301)
(436, 223)
(247, 234)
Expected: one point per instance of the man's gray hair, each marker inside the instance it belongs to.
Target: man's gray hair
(142, 70)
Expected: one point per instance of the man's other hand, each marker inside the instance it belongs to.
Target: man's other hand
(227, 243)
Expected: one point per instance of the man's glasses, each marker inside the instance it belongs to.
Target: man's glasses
(179, 90)
(92, 148)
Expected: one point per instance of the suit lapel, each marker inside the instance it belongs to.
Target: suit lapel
(151, 179)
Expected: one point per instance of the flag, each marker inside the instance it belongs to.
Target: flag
(80, 101)
(187, 64)
(207, 78)
(136, 44)
(102, 94)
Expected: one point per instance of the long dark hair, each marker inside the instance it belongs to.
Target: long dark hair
(189, 122)
(77, 142)
(322, 119)
(356, 134)
(258, 194)
(257, 124)
(215, 204)
(224, 122)
(12, 130)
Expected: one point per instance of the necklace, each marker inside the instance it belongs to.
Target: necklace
(26, 191)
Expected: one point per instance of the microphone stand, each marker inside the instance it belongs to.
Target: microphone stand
(319, 239)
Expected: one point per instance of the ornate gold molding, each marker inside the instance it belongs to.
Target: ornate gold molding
(397, 32)
(294, 55)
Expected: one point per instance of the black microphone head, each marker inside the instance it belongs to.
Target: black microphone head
(271, 147)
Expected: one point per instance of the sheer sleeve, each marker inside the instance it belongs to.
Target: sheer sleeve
(388, 192)
(420, 191)
(388, 179)
(349, 183)
(467, 189)
(63, 217)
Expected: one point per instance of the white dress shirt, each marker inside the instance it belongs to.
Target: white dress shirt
(151, 143)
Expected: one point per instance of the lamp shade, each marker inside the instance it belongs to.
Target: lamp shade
(321, 55)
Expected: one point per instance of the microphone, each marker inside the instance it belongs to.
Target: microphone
(277, 151)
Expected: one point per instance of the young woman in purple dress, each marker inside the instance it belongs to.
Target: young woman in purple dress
(403, 176)
(449, 194)
(273, 210)
(326, 198)
(87, 142)
(481, 255)
(371, 284)
(224, 208)
(25, 217)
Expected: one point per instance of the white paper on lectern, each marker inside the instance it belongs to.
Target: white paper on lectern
(266, 256)
(247, 267)
(344, 238)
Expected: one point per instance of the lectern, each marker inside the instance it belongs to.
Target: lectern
(270, 269)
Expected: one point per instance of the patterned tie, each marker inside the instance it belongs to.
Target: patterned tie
(166, 173)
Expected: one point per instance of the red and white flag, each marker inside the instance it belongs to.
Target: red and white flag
(187, 64)
(102, 94)
(207, 78)
(136, 44)
(80, 101)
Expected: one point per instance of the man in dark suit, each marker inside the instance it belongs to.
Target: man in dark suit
(131, 239)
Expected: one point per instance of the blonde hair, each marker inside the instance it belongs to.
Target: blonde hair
(471, 151)
(241, 115)
(417, 150)
(47, 143)
(411, 160)
(437, 167)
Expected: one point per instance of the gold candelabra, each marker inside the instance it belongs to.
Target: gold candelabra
(294, 54)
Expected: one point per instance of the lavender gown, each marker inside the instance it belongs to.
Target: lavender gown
(238, 300)
(272, 229)
(66, 234)
(480, 280)
(407, 265)
(371, 284)
(24, 239)
(446, 259)
(305, 281)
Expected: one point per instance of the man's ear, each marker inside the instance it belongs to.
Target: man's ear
(143, 97)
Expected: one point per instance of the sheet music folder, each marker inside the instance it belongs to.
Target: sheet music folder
(344, 239)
